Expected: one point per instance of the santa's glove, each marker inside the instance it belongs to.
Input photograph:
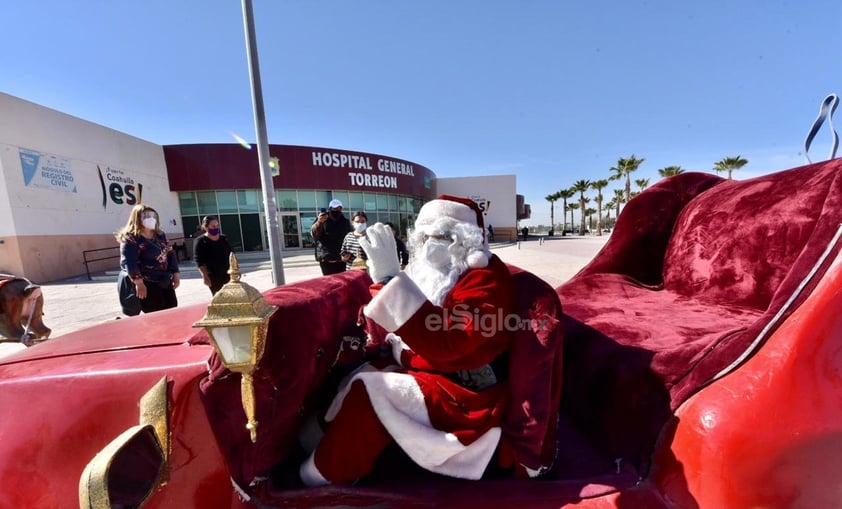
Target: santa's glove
(398, 346)
(379, 245)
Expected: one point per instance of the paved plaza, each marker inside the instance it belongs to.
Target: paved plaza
(75, 303)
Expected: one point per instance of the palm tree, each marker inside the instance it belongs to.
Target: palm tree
(552, 199)
(608, 207)
(599, 185)
(669, 171)
(580, 186)
(641, 183)
(590, 212)
(625, 166)
(618, 200)
(729, 164)
(571, 207)
(565, 194)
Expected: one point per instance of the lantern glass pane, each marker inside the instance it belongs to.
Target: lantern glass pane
(234, 343)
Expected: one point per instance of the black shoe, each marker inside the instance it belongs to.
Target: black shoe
(284, 476)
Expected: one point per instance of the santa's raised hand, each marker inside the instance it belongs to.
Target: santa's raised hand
(379, 245)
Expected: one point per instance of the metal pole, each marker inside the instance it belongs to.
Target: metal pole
(270, 208)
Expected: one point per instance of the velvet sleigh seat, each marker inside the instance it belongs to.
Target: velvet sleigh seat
(691, 281)
(316, 336)
(698, 271)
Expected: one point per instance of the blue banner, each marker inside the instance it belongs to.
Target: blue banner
(48, 171)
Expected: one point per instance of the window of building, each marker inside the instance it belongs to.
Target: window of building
(287, 200)
(306, 200)
(355, 201)
(191, 226)
(239, 212)
(395, 219)
(382, 202)
(187, 203)
(307, 220)
(324, 197)
(249, 201)
(227, 202)
(250, 227)
(370, 202)
(230, 226)
(207, 203)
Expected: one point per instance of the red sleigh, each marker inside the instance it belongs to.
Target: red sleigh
(694, 362)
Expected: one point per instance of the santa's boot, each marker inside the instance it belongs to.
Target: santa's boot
(350, 447)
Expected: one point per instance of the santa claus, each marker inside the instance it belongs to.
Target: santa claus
(442, 398)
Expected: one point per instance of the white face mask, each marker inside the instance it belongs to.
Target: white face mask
(436, 253)
(360, 227)
(150, 223)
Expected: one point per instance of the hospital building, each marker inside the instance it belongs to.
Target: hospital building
(67, 185)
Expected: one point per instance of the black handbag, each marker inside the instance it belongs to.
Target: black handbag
(129, 302)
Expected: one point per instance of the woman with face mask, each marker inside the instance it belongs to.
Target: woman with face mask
(212, 252)
(351, 252)
(148, 260)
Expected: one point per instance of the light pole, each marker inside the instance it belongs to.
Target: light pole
(270, 207)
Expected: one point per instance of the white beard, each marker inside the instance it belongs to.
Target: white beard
(436, 279)
(435, 282)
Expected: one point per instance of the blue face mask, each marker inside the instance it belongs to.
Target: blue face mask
(213, 231)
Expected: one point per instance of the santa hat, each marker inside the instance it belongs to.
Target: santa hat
(463, 210)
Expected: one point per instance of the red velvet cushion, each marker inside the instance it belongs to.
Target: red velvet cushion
(535, 374)
(637, 345)
(735, 244)
(627, 345)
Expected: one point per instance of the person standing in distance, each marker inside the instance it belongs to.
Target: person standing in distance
(403, 254)
(149, 260)
(212, 252)
(352, 254)
(329, 231)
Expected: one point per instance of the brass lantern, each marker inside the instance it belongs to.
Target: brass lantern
(237, 321)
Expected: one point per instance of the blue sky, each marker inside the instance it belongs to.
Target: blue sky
(552, 91)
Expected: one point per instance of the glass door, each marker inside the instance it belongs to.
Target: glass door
(307, 220)
(291, 233)
(251, 230)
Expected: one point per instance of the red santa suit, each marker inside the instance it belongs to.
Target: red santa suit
(442, 423)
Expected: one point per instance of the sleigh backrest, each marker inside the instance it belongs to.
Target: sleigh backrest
(739, 242)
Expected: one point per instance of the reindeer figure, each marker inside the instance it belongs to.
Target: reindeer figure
(21, 311)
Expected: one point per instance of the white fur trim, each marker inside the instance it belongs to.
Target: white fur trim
(395, 303)
(398, 346)
(478, 259)
(310, 475)
(534, 473)
(240, 491)
(399, 403)
(435, 209)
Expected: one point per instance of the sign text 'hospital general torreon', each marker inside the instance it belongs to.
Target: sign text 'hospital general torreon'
(360, 162)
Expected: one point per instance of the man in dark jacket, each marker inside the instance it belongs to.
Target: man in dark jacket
(328, 232)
